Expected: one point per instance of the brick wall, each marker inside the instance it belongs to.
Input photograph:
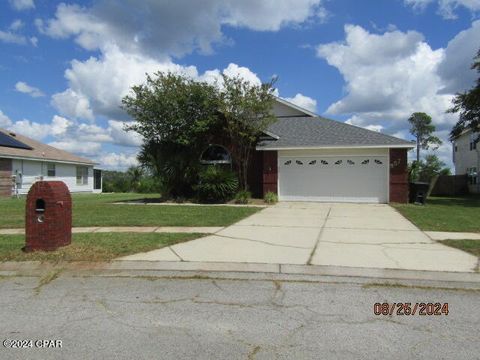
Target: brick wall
(5, 177)
(56, 228)
(398, 176)
(270, 171)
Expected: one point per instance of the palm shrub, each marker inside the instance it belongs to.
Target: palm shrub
(243, 197)
(216, 184)
(270, 198)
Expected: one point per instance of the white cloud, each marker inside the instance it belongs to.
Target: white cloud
(16, 25)
(171, 28)
(72, 104)
(78, 147)
(446, 8)
(31, 129)
(4, 120)
(455, 69)
(304, 102)
(12, 38)
(388, 77)
(22, 4)
(117, 161)
(23, 87)
(33, 40)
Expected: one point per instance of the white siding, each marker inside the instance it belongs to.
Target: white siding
(32, 171)
(465, 158)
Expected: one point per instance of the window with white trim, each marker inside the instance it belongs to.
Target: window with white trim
(51, 170)
(82, 175)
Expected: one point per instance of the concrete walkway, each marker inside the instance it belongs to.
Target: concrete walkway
(352, 235)
(443, 235)
(131, 229)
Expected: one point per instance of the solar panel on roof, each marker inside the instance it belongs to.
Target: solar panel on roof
(8, 141)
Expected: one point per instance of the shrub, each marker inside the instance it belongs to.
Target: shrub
(216, 184)
(270, 198)
(243, 197)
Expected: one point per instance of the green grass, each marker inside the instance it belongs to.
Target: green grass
(99, 210)
(92, 247)
(461, 214)
(471, 246)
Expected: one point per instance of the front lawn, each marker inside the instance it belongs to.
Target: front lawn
(99, 210)
(461, 214)
(471, 246)
(91, 247)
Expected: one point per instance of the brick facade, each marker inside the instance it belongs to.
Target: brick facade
(398, 176)
(55, 228)
(5, 177)
(270, 172)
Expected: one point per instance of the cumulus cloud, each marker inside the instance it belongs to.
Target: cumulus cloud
(4, 120)
(304, 102)
(31, 129)
(391, 75)
(72, 104)
(22, 4)
(12, 38)
(16, 25)
(446, 8)
(78, 147)
(23, 87)
(117, 161)
(171, 28)
(455, 69)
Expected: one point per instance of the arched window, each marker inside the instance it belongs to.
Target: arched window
(215, 154)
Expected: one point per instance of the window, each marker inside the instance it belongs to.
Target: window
(473, 141)
(82, 175)
(472, 175)
(97, 179)
(51, 170)
(216, 154)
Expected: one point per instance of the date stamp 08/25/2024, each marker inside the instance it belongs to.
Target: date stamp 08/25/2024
(409, 309)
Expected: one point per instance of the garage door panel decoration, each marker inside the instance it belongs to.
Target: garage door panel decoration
(336, 178)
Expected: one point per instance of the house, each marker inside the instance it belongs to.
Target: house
(305, 157)
(24, 161)
(466, 157)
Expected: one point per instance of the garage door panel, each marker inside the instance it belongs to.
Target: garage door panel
(333, 178)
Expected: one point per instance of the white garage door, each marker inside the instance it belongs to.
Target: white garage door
(333, 178)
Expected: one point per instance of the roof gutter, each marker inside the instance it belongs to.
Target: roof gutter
(46, 160)
(403, 146)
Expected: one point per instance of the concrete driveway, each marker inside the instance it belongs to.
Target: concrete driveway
(355, 235)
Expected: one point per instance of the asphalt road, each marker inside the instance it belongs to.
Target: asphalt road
(196, 318)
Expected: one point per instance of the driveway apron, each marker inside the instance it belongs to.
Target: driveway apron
(355, 235)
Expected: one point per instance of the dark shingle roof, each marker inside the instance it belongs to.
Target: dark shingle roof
(298, 132)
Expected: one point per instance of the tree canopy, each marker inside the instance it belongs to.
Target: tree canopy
(467, 104)
(179, 117)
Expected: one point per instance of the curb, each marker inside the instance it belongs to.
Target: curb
(32, 268)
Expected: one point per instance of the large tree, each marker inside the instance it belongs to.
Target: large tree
(422, 128)
(247, 111)
(174, 114)
(468, 105)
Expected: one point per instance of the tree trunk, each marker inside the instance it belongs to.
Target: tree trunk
(418, 150)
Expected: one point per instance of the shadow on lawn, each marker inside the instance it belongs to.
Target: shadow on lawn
(472, 200)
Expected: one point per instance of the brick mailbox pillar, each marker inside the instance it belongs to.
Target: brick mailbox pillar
(48, 216)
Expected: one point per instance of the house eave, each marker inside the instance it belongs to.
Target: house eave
(390, 146)
(47, 160)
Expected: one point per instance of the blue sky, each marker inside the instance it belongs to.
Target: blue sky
(65, 66)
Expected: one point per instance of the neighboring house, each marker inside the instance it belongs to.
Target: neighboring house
(305, 157)
(24, 161)
(466, 157)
